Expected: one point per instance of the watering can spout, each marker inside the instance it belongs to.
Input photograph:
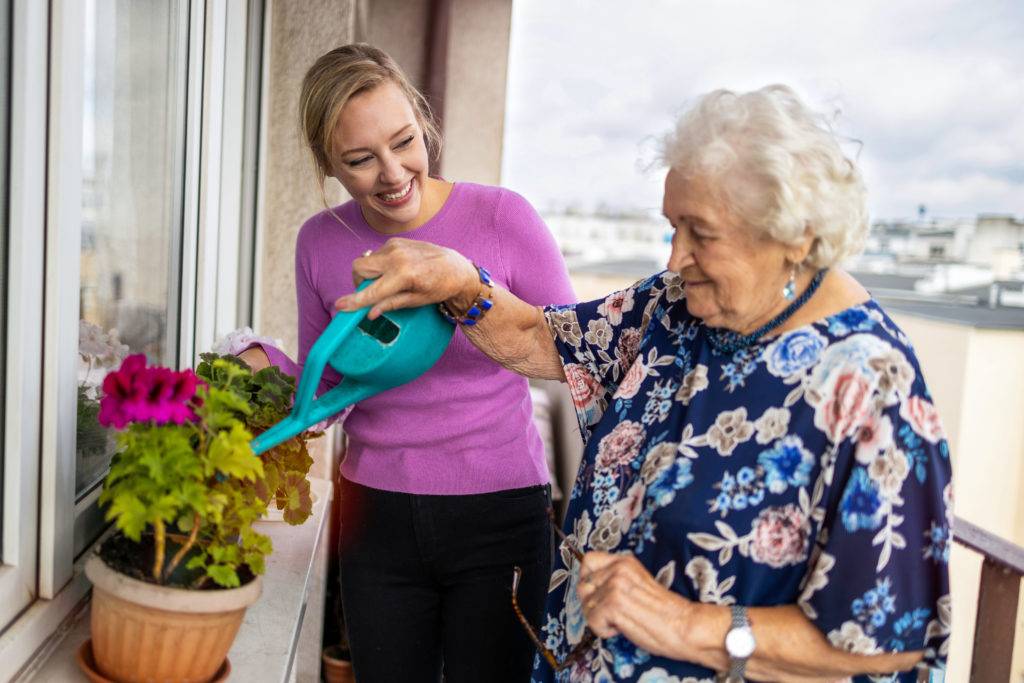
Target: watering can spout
(371, 355)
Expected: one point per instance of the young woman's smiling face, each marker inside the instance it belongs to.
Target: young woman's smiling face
(381, 159)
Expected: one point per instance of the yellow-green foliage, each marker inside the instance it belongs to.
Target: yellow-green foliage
(201, 483)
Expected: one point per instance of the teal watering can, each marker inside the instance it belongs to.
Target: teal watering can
(371, 355)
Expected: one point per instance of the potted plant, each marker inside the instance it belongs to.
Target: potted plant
(184, 489)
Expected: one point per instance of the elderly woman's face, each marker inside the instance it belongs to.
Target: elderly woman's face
(733, 276)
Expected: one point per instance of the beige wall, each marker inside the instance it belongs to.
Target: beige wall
(477, 67)
(474, 111)
(299, 33)
(400, 28)
(977, 380)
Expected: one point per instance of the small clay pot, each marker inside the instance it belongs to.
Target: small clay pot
(337, 667)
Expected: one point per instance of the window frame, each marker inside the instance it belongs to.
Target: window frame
(209, 147)
(45, 529)
(23, 338)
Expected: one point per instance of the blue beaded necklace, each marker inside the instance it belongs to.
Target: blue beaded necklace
(728, 342)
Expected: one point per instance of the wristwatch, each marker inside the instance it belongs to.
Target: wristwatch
(739, 643)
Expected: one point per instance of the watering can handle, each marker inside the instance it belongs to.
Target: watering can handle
(325, 345)
(305, 412)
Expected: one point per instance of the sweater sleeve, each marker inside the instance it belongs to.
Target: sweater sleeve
(535, 269)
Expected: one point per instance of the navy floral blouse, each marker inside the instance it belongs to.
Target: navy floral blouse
(810, 469)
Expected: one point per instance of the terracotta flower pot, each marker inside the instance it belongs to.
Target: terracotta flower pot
(336, 669)
(142, 632)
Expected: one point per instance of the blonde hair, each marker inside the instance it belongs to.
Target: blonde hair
(337, 77)
(770, 140)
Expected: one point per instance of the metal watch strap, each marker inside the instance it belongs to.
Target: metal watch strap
(738, 665)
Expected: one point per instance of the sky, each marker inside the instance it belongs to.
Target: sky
(933, 90)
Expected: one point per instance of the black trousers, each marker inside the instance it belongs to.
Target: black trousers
(426, 583)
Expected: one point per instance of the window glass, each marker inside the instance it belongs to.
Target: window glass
(133, 139)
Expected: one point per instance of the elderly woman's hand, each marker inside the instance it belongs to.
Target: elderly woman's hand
(619, 596)
(411, 273)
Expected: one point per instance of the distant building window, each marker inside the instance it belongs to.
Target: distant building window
(937, 251)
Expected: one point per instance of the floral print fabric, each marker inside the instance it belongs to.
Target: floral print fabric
(808, 469)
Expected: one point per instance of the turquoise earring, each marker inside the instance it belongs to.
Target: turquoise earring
(789, 291)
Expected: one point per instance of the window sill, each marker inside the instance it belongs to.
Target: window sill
(287, 619)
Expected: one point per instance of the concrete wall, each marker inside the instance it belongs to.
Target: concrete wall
(299, 32)
(474, 109)
(476, 72)
(400, 28)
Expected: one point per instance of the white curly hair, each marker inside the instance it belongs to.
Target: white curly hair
(770, 141)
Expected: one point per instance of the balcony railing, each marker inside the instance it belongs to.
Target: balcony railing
(1001, 572)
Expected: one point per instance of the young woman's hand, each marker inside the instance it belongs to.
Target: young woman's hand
(256, 358)
(411, 273)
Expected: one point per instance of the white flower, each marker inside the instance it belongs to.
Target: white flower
(851, 637)
(239, 340)
(659, 458)
(696, 380)
(659, 675)
(599, 333)
(99, 348)
(772, 425)
(731, 428)
(607, 533)
(890, 470)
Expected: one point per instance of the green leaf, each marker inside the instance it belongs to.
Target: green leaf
(231, 454)
(129, 514)
(223, 575)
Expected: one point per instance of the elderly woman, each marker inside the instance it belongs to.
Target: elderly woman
(766, 488)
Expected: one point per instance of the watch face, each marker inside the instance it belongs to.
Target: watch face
(739, 642)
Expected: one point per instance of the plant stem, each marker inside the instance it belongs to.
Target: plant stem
(180, 555)
(161, 541)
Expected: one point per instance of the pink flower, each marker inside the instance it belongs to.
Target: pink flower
(923, 418)
(582, 386)
(874, 435)
(630, 507)
(846, 408)
(779, 536)
(615, 305)
(135, 393)
(621, 445)
(631, 382)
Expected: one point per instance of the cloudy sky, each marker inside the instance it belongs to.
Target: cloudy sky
(933, 88)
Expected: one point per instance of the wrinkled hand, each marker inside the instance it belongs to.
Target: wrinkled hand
(619, 596)
(410, 273)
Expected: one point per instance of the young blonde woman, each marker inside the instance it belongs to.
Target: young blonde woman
(444, 485)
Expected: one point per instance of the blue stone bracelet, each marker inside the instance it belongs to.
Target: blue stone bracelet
(480, 306)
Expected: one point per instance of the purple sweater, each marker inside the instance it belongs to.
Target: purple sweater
(466, 425)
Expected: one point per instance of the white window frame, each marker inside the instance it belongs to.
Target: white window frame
(26, 220)
(42, 518)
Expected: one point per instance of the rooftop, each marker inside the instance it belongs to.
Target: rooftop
(895, 292)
